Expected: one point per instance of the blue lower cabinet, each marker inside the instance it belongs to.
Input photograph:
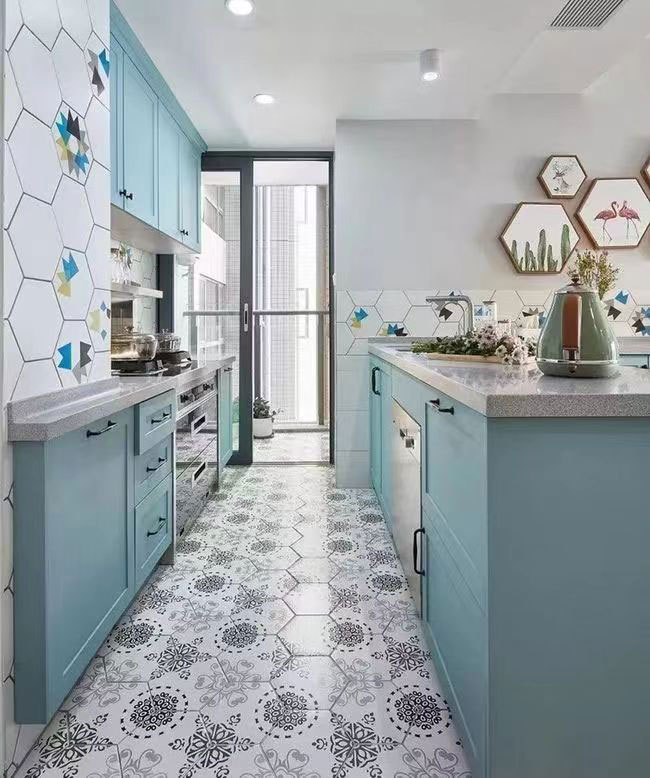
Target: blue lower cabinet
(225, 416)
(375, 426)
(73, 556)
(153, 528)
(381, 409)
(155, 420)
(153, 466)
(634, 360)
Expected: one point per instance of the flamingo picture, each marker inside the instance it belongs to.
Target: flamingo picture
(630, 215)
(606, 216)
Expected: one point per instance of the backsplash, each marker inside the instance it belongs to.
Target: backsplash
(144, 271)
(56, 239)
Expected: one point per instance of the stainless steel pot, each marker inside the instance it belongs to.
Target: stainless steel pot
(168, 342)
(133, 345)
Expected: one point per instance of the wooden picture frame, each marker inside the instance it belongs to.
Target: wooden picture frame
(646, 171)
(562, 176)
(603, 203)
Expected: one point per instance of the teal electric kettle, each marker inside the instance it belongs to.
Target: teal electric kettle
(577, 341)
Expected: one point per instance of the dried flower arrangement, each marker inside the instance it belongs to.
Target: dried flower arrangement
(486, 342)
(595, 271)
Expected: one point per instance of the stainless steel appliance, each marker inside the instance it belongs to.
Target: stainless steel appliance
(405, 507)
(197, 463)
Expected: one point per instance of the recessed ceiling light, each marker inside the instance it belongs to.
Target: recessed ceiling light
(430, 65)
(240, 7)
(264, 99)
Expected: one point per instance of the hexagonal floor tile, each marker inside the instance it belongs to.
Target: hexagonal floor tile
(312, 599)
(319, 675)
(71, 140)
(99, 320)
(41, 96)
(73, 285)
(73, 214)
(314, 570)
(35, 157)
(71, 70)
(36, 319)
(282, 559)
(75, 353)
(308, 636)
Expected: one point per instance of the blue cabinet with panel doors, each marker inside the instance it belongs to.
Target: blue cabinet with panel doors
(93, 515)
(381, 399)
(535, 584)
(225, 416)
(155, 149)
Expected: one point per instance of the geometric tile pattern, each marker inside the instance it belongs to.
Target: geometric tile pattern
(292, 447)
(230, 664)
(48, 226)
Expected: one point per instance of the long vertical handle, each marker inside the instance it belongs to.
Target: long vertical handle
(375, 370)
(419, 531)
(245, 317)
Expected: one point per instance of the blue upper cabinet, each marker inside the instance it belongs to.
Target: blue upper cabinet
(140, 145)
(155, 149)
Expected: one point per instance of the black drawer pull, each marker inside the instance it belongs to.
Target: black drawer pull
(164, 417)
(92, 434)
(447, 410)
(375, 370)
(162, 521)
(435, 403)
(419, 531)
(162, 461)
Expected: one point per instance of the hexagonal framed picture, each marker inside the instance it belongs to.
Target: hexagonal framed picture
(539, 238)
(615, 213)
(562, 176)
(646, 171)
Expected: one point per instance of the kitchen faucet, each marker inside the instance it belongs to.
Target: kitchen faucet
(457, 299)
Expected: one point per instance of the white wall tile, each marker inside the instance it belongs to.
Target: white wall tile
(12, 360)
(71, 140)
(13, 21)
(421, 321)
(364, 297)
(99, 321)
(73, 285)
(419, 297)
(96, 49)
(99, 15)
(359, 347)
(76, 20)
(364, 321)
(13, 104)
(42, 18)
(36, 378)
(349, 362)
(72, 214)
(72, 72)
(35, 157)
(352, 390)
(36, 238)
(29, 58)
(353, 469)
(36, 319)
(352, 431)
(98, 255)
(344, 306)
(98, 190)
(98, 127)
(393, 306)
(12, 190)
(74, 353)
(13, 276)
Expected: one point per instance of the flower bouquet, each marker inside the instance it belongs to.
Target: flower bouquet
(484, 345)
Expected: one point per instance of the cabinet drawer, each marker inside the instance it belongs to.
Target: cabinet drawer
(408, 393)
(153, 528)
(454, 475)
(457, 631)
(634, 360)
(153, 466)
(193, 487)
(154, 421)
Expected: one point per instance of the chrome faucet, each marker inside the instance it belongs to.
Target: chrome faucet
(457, 299)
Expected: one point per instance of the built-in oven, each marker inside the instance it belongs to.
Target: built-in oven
(197, 463)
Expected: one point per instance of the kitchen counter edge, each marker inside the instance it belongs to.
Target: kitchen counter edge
(51, 415)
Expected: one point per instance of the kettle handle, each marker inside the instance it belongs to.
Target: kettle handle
(571, 325)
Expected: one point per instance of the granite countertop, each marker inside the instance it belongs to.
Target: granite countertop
(50, 415)
(500, 391)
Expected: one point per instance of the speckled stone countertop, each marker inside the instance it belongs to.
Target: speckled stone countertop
(500, 391)
(50, 415)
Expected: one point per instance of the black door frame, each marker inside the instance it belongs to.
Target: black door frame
(244, 161)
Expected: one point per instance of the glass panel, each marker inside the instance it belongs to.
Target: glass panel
(211, 282)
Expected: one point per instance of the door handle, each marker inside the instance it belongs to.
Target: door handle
(161, 462)
(447, 410)
(110, 426)
(129, 196)
(245, 317)
(161, 523)
(375, 370)
(419, 531)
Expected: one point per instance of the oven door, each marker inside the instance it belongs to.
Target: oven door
(196, 461)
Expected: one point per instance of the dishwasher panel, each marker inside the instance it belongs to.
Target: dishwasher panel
(406, 504)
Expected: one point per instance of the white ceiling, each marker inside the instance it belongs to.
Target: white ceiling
(357, 59)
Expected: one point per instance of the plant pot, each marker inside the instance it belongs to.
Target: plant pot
(263, 428)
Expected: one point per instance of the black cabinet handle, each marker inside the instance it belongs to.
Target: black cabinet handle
(375, 370)
(447, 410)
(158, 466)
(419, 531)
(129, 196)
(164, 417)
(435, 403)
(93, 434)
(161, 523)
(122, 193)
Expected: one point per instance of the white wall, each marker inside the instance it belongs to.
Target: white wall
(420, 205)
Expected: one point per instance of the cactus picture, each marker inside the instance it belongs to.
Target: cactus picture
(539, 238)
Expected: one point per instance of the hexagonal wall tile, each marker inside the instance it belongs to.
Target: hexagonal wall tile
(35, 157)
(13, 276)
(12, 188)
(344, 338)
(392, 306)
(396, 328)
(36, 378)
(420, 321)
(98, 191)
(72, 214)
(36, 319)
(364, 297)
(101, 366)
(98, 124)
(99, 320)
(13, 21)
(344, 306)
(42, 19)
(509, 303)
(417, 297)
(76, 20)
(73, 285)
(38, 250)
(13, 103)
(71, 141)
(35, 75)
(98, 254)
(99, 16)
(98, 68)
(74, 354)
(364, 322)
(13, 361)
(70, 68)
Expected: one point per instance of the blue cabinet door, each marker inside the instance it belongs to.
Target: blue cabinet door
(190, 194)
(225, 416)
(386, 445)
(169, 174)
(73, 556)
(117, 124)
(375, 427)
(140, 116)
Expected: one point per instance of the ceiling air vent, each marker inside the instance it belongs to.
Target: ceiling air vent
(585, 14)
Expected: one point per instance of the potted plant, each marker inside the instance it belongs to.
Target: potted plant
(263, 418)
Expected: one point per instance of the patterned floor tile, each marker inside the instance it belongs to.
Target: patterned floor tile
(319, 675)
(312, 599)
(314, 570)
(274, 583)
(309, 635)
